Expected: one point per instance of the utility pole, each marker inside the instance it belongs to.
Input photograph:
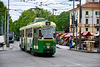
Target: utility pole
(73, 19)
(76, 34)
(5, 28)
(53, 14)
(8, 26)
(2, 26)
(80, 27)
(41, 9)
(99, 25)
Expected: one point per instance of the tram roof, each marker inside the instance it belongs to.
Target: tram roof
(38, 24)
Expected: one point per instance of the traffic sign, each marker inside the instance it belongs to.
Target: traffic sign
(79, 24)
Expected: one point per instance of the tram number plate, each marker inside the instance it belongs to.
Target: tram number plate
(47, 43)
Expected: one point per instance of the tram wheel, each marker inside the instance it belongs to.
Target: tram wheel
(35, 54)
(21, 48)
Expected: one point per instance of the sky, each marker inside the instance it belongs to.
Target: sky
(17, 7)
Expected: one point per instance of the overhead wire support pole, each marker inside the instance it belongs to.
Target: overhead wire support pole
(53, 14)
(99, 26)
(41, 9)
(8, 26)
(5, 27)
(73, 19)
(80, 27)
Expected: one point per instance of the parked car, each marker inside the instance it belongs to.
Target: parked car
(11, 40)
(2, 41)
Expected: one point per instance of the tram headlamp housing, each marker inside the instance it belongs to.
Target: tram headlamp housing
(47, 23)
(48, 46)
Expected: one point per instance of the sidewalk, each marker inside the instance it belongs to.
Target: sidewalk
(4, 48)
(62, 47)
(73, 49)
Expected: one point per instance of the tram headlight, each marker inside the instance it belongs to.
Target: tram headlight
(48, 46)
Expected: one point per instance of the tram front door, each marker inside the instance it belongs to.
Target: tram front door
(36, 38)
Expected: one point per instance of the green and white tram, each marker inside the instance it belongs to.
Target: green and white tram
(38, 37)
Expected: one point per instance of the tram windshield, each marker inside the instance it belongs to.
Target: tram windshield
(48, 31)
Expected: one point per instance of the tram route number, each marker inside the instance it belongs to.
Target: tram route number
(47, 43)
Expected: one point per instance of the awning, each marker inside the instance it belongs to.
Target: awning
(86, 34)
(68, 35)
(64, 34)
(77, 34)
(59, 34)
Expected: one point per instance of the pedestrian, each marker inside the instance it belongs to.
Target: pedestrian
(70, 43)
(73, 43)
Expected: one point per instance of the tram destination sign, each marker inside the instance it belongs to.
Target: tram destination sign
(47, 23)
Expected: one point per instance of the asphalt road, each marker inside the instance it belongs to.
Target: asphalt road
(63, 58)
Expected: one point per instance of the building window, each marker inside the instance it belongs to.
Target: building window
(97, 21)
(86, 29)
(86, 12)
(97, 13)
(97, 29)
(86, 21)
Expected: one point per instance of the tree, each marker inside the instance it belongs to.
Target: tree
(2, 14)
(62, 21)
(28, 17)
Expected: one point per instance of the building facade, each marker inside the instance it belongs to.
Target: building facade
(90, 17)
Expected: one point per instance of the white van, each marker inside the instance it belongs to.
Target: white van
(2, 41)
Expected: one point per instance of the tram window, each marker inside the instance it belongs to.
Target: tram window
(23, 33)
(48, 31)
(20, 34)
(29, 32)
(34, 30)
(40, 33)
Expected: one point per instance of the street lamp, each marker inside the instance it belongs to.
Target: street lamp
(53, 13)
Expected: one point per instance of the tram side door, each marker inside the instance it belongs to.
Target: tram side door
(36, 38)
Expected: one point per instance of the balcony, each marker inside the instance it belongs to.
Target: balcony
(96, 25)
(87, 25)
(86, 16)
(97, 16)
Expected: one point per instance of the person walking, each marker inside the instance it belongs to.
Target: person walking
(70, 43)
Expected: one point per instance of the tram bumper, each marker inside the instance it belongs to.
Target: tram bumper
(46, 49)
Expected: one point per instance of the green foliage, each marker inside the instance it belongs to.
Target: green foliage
(62, 20)
(28, 16)
(2, 14)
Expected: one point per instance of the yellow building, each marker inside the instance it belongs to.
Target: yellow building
(90, 17)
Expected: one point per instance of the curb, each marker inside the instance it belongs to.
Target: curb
(58, 47)
(83, 51)
(6, 48)
(78, 50)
